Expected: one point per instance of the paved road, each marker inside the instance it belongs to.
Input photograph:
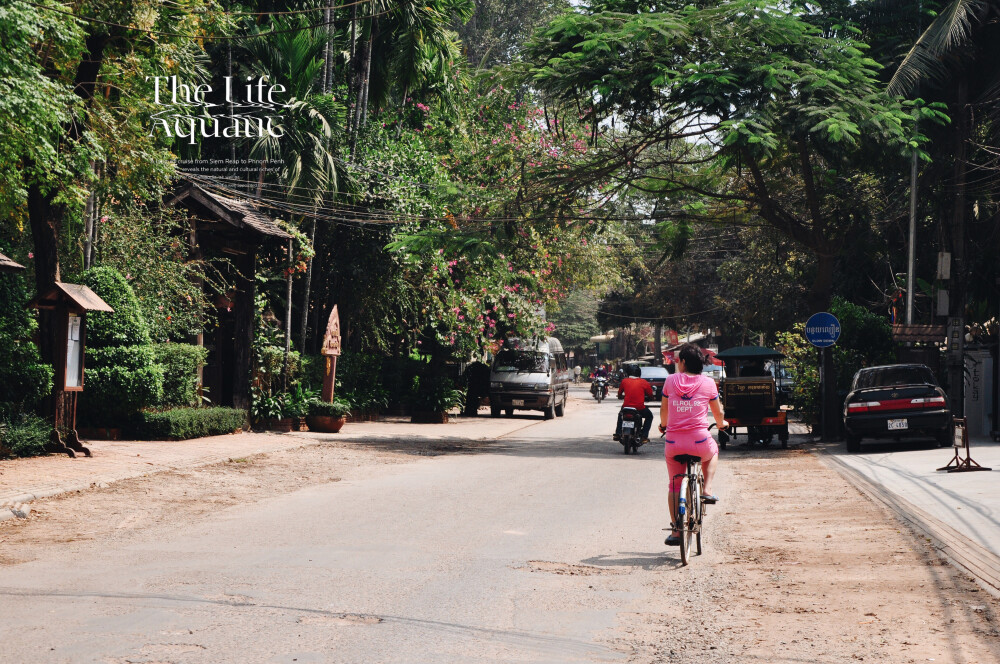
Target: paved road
(448, 559)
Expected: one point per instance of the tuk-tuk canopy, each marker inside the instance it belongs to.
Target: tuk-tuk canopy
(750, 353)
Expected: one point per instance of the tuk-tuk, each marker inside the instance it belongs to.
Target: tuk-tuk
(750, 396)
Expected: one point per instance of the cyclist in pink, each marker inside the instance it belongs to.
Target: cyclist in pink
(687, 398)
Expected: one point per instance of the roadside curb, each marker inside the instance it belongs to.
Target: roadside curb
(965, 554)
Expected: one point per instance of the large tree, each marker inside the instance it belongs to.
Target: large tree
(792, 114)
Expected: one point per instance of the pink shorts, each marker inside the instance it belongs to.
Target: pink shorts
(696, 442)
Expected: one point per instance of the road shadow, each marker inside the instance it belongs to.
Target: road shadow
(646, 561)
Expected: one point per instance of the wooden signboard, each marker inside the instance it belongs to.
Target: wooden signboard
(331, 350)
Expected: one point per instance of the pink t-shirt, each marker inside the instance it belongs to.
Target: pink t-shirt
(688, 397)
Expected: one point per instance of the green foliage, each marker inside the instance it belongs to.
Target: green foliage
(122, 376)
(126, 326)
(181, 363)
(434, 395)
(24, 380)
(575, 320)
(23, 434)
(337, 408)
(149, 249)
(185, 423)
(361, 380)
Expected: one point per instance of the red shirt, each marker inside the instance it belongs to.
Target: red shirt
(636, 390)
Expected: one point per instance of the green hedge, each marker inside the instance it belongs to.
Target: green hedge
(185, 423)
(23, 435)
(180, 363)
(24, 380)
(122, 376)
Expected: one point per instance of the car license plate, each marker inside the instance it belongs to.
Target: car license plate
(517, 402)
(628, 425)
(897, 425)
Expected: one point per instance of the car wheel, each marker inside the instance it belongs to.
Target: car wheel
(494, 411)
(945, 438)
(853, 443)
(561, 408)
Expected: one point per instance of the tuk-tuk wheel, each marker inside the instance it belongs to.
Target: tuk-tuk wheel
(723, 439)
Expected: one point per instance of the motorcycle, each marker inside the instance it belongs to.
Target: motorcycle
(599, 388)
(630, 437)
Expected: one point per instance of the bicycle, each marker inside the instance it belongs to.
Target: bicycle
(690, 508)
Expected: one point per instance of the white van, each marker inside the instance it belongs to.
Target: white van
(530, 374)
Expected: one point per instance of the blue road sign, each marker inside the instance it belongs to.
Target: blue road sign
(822, 329)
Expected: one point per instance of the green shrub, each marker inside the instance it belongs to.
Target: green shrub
(435, 395)
(181, 363)
(185, 423)
(339, 408)
(126, 326)
(313, 370)
(270, 361)
(23, 435)
(122, 375)
(24, 380)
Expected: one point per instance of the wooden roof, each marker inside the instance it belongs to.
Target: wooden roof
(925, 333)
(239, 214)
(7, 265)
(80, 298)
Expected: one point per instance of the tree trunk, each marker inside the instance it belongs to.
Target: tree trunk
(288, 318)
(657, 344)
(306, 289)
(822, 288)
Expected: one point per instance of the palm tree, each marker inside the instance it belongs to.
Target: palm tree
(307, 141)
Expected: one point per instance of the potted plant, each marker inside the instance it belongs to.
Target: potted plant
(327, 417)
(266, 410)
(295, 407)
(432, 399)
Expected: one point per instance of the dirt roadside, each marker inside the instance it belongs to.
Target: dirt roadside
(799, 566)
(802, 567)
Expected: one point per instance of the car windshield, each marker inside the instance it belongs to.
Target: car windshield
(521, 360)
(654, 373)
(890, 376)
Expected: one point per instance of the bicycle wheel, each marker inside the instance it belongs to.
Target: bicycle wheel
(693, 510)
(699, 514)
(682, 518)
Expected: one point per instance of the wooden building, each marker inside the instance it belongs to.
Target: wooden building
(232, 234)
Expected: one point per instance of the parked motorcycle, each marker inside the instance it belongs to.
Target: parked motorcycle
(599, 388)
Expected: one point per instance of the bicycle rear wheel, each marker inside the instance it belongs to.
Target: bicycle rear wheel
(699, 512)
(683, 519)
(693, 499)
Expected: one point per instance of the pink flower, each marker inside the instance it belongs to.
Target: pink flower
(31, 254)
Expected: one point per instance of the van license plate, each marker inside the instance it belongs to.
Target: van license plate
(628, 425)
(517, 402)
(897, 425)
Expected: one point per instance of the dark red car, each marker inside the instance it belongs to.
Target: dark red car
(896, 401)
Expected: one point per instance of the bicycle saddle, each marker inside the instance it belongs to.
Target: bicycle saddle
(686, 458)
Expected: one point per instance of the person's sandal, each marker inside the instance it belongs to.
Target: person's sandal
(672, 540)
(709, 500)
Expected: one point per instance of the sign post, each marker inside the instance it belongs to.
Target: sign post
(822, 331)
(330, 352)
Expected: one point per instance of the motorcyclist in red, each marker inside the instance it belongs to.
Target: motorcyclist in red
(635, 390)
